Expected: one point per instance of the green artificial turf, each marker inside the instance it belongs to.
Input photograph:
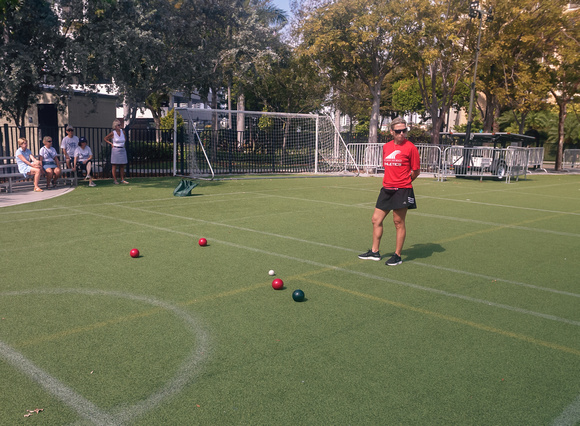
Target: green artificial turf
(479, 325)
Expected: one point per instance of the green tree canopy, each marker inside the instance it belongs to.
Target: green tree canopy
(440, 55)
(358, 40)
(562, 65)
(407, 96)
(31, 55)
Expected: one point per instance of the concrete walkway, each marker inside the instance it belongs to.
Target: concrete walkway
(27, 195)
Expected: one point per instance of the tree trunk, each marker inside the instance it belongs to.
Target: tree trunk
(522, 124)
(489, 113)
(229, 103)
(214, 105)
(437, 118)
(438, 121)
(241, 123)
(375, 113)
(562, 105)
(496, 114)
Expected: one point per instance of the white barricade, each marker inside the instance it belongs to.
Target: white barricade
(536, 158)
(500, 163)
(571, 159)
(369, 157)
(485, 162)
(430, 159)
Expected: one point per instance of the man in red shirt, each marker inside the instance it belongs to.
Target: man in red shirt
(402, 166)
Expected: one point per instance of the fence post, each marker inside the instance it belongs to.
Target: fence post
(175, 143)
(6, 141)
(316, 148)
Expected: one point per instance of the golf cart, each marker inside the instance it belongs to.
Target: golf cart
(486, 154)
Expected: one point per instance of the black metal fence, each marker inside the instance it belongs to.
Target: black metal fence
(149, 151)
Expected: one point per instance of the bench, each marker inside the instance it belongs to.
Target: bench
(9, 173)
(10, 176)
(67, 175)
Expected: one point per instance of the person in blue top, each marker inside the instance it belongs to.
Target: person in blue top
(27, 164)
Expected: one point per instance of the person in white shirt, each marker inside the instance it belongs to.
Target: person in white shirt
(69, 145)
(50, 162)
(84, 159)
(27, 164)
(118, 152)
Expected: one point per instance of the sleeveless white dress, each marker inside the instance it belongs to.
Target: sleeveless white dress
(118, 151)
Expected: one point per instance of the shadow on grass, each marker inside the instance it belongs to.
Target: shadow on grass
(422, 251)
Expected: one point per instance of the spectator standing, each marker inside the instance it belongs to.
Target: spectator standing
(69, 145)
(118, 152)
(50, 162)
(27, 164)
(84, 159)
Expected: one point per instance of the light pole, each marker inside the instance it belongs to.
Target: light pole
(475, 12)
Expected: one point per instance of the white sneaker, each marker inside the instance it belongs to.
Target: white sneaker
(92, 184)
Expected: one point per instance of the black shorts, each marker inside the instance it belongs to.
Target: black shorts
(395, 199)
(82, 167)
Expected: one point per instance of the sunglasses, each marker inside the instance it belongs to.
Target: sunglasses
(398, 132)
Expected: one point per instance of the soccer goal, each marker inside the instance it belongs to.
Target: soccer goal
(223, 142)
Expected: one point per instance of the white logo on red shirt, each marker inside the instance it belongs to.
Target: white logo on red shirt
(391, 159)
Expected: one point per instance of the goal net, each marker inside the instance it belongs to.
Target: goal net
(225, 142)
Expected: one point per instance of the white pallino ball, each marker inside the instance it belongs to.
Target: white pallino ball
(272, 273)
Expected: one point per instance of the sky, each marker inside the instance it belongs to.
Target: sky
(282, 4)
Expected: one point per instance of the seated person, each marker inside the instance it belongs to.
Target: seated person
(50, 162)
(27, 164)
(69, 145)
(83, 160)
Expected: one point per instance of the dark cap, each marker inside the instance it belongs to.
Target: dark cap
(82, 139)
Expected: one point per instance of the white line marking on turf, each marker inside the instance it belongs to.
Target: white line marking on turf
(365, 205)
(474, 193)
(357, 273)
(491, 278)
(503, 225)
(122, 414)
(300, 240)
(181, 200)
(82, 406)
(570, 416)
(43, 218)
(460, 219)
(499, 205)
(74, 240)
(121, 204)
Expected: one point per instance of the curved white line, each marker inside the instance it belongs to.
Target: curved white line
(86, 409)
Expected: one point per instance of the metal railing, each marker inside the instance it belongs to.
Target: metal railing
(535, 158)
(571, 159)
(431, 159)
(369, 158)
(149, 151)
(480, 162)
